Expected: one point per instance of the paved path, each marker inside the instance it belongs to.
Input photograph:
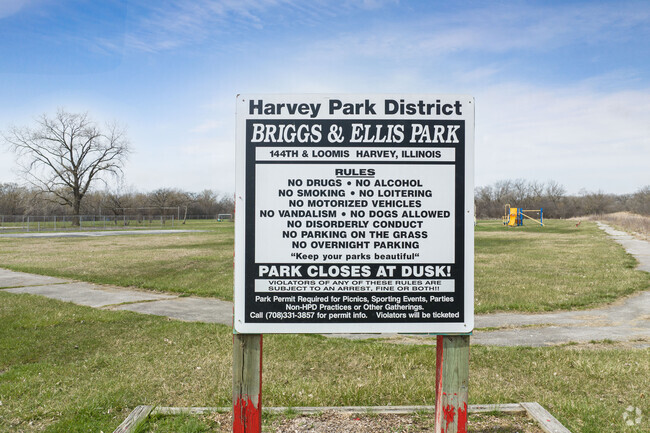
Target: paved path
(118, 298)
(638, 248)
(625, 320)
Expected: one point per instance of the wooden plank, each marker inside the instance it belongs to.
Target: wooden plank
(452, 383)
(474, 408)
(189, 410)
(546, 421)
(135, 418)
(477, 408)
(247, 383)
(506, 407)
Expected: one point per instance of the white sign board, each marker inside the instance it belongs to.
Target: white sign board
(354, 213)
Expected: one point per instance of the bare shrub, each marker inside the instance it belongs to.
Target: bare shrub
(638, 225)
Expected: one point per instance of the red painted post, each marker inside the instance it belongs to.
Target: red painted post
(452, 380)
(438, 407)
(247, 383)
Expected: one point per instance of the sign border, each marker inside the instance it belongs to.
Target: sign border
(243, 238)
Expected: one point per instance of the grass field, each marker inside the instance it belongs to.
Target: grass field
(67, 368)
(528, 268)
(193, 263)
(558, 266)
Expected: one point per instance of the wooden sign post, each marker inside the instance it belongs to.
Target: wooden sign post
(452, 382)
(355, 214)
(247, 383)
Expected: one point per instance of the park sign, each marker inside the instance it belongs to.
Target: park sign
(354, 214)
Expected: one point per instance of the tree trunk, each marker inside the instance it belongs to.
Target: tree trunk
(76, 208)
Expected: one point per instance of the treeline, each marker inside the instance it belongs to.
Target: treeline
(551, 196)
(489, 200)
(19, 200)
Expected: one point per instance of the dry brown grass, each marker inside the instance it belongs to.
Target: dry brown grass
(637, 225)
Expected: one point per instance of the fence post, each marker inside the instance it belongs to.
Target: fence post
(27, 223)
(247, 383)
(452, 380)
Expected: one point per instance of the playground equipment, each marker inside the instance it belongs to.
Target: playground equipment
(514, 216)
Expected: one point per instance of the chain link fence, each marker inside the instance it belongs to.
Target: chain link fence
(31, 223)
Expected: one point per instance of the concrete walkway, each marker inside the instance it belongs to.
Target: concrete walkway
(625, 320)
(638, 248)
(118, 298)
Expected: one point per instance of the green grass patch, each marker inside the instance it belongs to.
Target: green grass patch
(178, 424)
(67, 368)
(527, 268)
(555, 267)
(191, 263)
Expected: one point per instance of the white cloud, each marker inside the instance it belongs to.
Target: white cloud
(160, 27)
(11, 7)
(577, 136)
(207, 126)
(492, 28)
(168, 26)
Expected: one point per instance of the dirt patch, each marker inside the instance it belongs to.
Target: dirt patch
(331, 422)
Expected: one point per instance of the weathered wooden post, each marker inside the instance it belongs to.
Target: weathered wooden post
(452, 383)
(247, 383)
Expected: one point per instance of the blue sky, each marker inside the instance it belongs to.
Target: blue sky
(562, 88)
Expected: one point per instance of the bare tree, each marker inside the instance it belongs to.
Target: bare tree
(12, 199)
(66, 154)
(640, 201)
